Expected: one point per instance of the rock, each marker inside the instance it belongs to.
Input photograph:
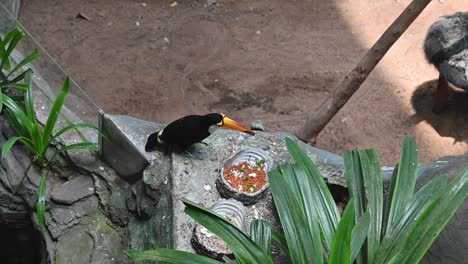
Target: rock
(76, 246)
(211, 2)
(117, 209)
(73, 190)
(61, 218)
(257, 125)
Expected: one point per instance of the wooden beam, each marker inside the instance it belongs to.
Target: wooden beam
(351, 83)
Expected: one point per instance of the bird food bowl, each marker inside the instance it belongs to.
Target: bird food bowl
(206, 243)
(244, 176)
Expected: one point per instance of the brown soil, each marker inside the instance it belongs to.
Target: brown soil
(272, 60)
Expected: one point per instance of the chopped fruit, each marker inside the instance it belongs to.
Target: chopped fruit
(246, 177)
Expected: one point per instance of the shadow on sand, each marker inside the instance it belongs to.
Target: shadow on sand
(453, 122)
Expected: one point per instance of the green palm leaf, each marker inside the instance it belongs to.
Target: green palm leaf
(260, 233)
(77, 146)
(25, 61)
(55, 111)
(29, 98)
(281, 240)
(433, 220)
(359, 234)
(373, 184)
(17, 86)
(341, 248)
(40, 206)
(302, 234)
(393, 241)
(24, 123)
(75, 126)
(404, 182)
(8, 145)
(314, 194)
(12, 39)
(245, 250)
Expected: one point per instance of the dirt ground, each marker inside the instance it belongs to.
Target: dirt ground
(268, 60)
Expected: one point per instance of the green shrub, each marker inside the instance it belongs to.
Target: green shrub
(21, 116)
(9, 77)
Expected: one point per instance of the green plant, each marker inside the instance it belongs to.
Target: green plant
(9, 77)
(39, 140)
(400, 230)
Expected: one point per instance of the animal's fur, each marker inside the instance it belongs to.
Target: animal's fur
(446, 47)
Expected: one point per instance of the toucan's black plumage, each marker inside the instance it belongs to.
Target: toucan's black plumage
(189, 130)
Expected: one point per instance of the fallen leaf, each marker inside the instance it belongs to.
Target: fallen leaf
(83, 16)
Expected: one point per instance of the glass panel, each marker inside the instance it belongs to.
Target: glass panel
(48, 78)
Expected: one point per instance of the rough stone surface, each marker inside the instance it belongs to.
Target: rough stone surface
(61, 218)
(73, 190)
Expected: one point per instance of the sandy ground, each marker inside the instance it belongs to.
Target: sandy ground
(271, 60)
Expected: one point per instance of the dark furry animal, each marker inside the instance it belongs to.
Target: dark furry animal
(446, 47)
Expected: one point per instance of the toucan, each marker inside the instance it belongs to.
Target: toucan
(191, 129)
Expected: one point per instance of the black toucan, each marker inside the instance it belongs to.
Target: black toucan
(189, 130)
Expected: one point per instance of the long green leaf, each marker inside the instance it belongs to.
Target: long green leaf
(260, 233)
(75, 126)
(341, 248)
(393, 242)
(359, 234)
(18, 78)
(25, 61)
(19, 130)
(12, 38)
(2, 56)
(7, 145)
(355, 180)
(373, 184)
(405, 181)
(55, 111)
(281, 240)
(433, 220)
(305, 244)
(24, 123)
(22, 179)
(17, 86)
(77, 146)
(245, 250)
(37, 139)
(29, 99)
(388, 199)
(41, 202)
(3, 49)
(314, 195)
(170, 256)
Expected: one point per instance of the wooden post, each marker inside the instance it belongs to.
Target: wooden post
(351, 83)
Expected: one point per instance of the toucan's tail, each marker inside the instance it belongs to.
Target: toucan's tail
(152, 142)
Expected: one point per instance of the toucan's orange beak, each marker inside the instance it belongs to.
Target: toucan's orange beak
(229, 123)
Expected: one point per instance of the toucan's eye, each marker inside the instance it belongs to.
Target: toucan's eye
(222, 120)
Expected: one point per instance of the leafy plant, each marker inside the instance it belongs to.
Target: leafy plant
(9, 76)
(404, 227)
(39, 140)
(399, 230)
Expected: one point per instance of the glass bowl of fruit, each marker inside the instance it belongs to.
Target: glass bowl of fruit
(244, 176)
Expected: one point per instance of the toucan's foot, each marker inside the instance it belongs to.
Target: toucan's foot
(204, 143)
(186, 153)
